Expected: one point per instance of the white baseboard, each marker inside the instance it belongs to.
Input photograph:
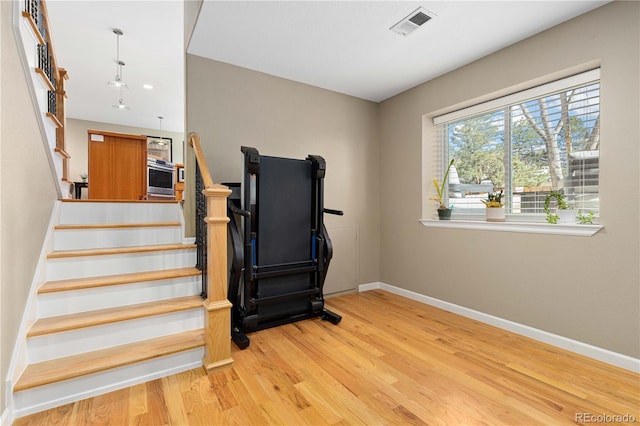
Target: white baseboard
(372, 286)
(4, 418)
(19, 358)
(604, 355)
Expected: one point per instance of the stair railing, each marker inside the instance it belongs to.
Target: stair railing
(211, 239)
(35, 12)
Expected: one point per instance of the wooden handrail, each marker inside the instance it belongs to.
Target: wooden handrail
(217, 329)
(194, 141)
(39, 10)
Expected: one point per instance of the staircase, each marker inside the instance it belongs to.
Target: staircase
(121, 304)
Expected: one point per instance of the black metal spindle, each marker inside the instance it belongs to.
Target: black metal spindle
(201, 230)
(32, 7)
(51, 104)
(49, 69)
(42, 56)
(45, 62)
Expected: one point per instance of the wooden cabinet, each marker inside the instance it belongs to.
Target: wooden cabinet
(117, 166)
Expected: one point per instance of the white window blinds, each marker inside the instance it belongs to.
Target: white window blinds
(527, 144)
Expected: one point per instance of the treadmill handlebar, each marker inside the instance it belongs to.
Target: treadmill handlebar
(241, 212)
(331, 211)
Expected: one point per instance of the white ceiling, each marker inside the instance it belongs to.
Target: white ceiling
(344, 46)
(151, 47)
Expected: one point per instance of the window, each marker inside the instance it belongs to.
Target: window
(527, 145)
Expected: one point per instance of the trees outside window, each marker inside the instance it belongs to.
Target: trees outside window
(528, 148)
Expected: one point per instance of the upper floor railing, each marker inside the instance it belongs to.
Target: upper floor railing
(53, 76)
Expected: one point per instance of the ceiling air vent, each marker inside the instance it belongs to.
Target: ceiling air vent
(412, 22)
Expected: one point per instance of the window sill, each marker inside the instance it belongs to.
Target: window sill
(525, 227)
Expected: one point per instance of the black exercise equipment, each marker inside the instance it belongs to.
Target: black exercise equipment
(281, 249)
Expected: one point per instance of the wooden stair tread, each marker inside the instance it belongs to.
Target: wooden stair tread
(118, 250)
(93, 362)
(117, 225)
(110, 315)
(108, 280)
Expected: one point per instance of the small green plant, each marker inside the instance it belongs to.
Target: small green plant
(585, 219)
(494, 200)
(440, 187)
(561, 204)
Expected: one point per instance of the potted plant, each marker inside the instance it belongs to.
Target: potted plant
(564, 212)
(585, 218)
(83, 177)
(444, 212)
(495, 208)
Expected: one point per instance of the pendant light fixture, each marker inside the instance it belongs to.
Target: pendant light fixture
(117, 81)
(161, 140)
(121, 104)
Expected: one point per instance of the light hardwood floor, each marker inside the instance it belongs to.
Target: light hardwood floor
(390, 361)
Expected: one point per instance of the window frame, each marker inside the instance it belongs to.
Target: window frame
(519, 222)
(516, 226)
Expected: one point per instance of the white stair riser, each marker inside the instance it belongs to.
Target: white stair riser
(70, 302)
(78, 239)
(94, 213)
(92, 266)
(56, 394)
(67, 343)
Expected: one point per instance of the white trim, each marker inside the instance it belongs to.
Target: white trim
(4, 415)
(518, 97)
(526, 227)
(183, 229)
(19, 358)
(600, 354)
(4, 418)
(183, 225)
(371, 286)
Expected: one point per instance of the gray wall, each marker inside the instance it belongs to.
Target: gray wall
(231, 106)
(583, 288)
(27, 192)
